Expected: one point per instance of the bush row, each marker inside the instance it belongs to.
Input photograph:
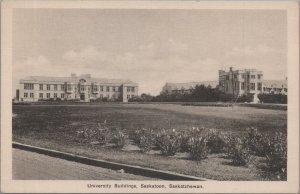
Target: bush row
(103, 135)
(199, 142)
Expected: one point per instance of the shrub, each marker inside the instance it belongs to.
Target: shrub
(168, 142)
(144, 138)
(215, 142)
(255, 141)
(245, 98)
(237, 150)
(103, 135)
(120, 139)
(273, 98)
(185, 136)
(276, 153)
(198, 147)
(145, 143)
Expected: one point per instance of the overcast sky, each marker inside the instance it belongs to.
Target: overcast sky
(150, 47)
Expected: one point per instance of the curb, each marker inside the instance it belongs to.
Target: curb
(137, 170)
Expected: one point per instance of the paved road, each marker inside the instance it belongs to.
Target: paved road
(33, 166)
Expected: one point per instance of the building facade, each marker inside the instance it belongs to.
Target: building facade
(82, 88)
(239, 82)
(235, 83)
(275, 87)
(183, 88)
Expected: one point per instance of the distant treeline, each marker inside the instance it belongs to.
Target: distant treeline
(202, 93)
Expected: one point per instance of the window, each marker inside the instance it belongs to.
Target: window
(101, 88)
(95, 88)
(48, 95)
(55, 95)
(252, 76)
(117, 88)
(252, 86)
(41, 95)
(259, 86)
(285, 89)
(62, 86)
(28, 86)
(31, 95)
(114, 88)
(132, 89)
(81, 88)
(62, 96)
(55, 86)
(235, 76)
(48, 86)
(41, 87)
(259, 76)
(107, 88)
(236, 85)
(128, 96)
(25, 95)
(128, 89)
(248, 76)
(227, 77)
(69, 87)
(243, 86)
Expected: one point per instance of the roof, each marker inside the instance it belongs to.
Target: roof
(275, 83)
(75, 79)
(189, 85)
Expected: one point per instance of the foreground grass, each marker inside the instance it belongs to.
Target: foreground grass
(55, 127)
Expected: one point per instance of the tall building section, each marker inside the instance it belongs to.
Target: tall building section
(239, 82)
(82, 88)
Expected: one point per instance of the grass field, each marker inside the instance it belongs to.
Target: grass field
(55, 127)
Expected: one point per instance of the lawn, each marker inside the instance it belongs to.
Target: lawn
(55, 127)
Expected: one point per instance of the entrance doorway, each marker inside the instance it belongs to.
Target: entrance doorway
(82, 97)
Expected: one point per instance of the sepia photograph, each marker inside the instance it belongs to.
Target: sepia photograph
(149, 97)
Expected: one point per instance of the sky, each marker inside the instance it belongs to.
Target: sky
(149, 47)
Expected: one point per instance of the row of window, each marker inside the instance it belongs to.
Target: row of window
(259, 76)
(129, 96)
(62, 95)
(41, 95)
(252, 86)
(28, 86)
(275, 89)
(48, 87)
(82, 88)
